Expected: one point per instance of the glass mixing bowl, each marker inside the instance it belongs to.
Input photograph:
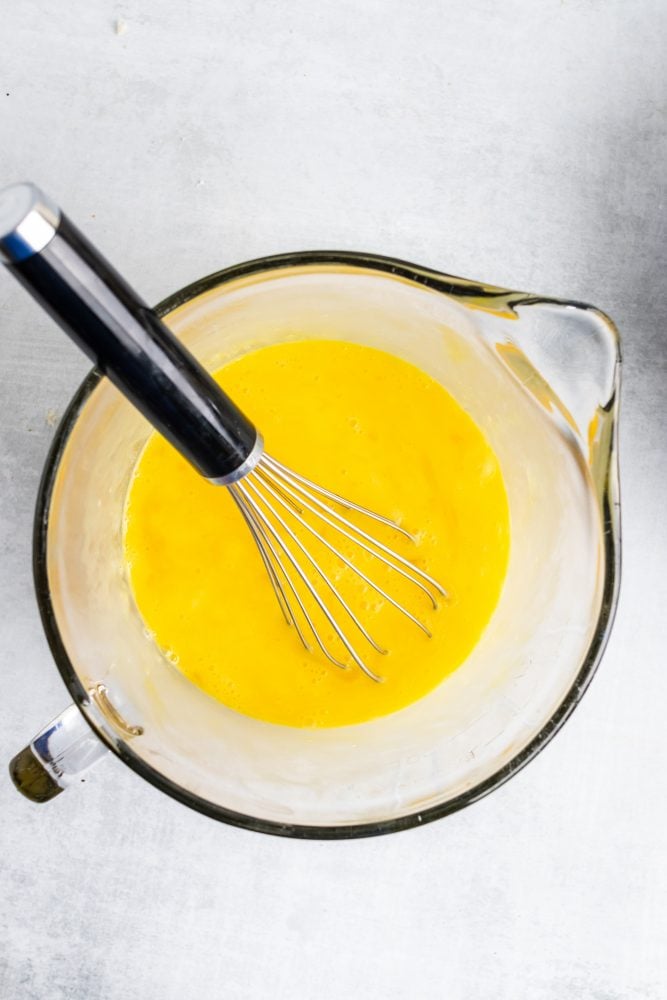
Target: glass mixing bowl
(539, 376)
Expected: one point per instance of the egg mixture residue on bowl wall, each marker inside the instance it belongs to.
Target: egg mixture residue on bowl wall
(373, 428)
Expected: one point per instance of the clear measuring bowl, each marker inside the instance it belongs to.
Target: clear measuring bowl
(539, 376)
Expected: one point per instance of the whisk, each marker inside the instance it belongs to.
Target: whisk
(132, 346)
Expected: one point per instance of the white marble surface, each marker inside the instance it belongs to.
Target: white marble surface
(522, 143)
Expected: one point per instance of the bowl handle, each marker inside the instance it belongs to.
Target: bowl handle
(60, 755)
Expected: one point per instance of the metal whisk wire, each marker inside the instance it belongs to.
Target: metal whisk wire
(273, 500)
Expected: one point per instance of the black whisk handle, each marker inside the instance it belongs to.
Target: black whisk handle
(129, 343)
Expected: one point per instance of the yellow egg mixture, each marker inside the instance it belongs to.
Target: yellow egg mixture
(377, 430)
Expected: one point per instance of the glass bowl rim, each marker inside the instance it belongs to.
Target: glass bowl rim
(436, 280)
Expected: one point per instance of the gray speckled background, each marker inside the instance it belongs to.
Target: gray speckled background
(523, 143)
